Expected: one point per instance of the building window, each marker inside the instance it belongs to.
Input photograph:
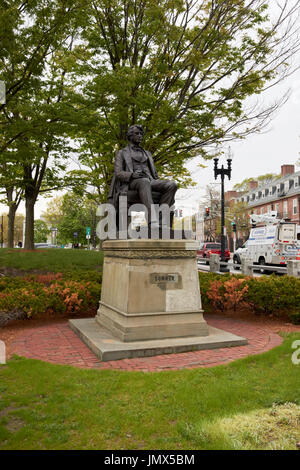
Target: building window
(269, 209)
(277, 208)
(296, 182)
(285, 209)
(295, 206)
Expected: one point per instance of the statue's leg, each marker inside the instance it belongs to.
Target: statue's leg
(143, 187)
(168, 190)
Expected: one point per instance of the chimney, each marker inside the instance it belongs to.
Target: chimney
(230, 195)
(252, 185)
(287, 170)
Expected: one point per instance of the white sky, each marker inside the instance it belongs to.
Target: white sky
(258, 154)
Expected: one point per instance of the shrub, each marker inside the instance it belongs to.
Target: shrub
(50, 293)
(265, 295)
(228, 294)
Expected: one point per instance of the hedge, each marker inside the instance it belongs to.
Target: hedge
(264, 295)
(67, 294)
(79, 293)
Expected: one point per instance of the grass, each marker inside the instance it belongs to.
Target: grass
(52, 260)
(252, 403)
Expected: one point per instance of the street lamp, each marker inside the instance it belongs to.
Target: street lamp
(223, 171)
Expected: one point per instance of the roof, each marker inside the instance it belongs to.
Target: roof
(271, 188)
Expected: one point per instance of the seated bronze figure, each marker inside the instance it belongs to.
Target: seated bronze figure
(136, 177)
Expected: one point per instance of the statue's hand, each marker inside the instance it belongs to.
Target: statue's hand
(137, 174)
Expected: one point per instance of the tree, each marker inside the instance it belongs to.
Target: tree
(184, 69)
(212, 224)
(77, 214)
(53, 215)
(262, 180)
(41, 231)
(18, 229)
(239, 214)
(31, 135)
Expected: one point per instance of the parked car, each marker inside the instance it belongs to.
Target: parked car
(208, 248)
(237, 255)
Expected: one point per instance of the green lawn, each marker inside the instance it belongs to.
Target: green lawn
(251, 403)
(52, 260)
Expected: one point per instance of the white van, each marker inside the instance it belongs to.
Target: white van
(272, 244)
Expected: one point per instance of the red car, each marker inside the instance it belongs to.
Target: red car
(206, 249)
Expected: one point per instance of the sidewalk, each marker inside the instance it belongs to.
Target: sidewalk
(54, 342)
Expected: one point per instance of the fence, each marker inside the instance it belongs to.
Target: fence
(247, 267)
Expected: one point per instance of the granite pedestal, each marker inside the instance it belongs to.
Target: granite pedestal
(150, 302)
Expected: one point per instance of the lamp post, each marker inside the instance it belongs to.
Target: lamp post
(223, 171)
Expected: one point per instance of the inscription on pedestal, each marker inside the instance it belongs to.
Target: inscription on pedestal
(166, 280)
(163, 277)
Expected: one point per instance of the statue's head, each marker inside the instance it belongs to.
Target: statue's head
(135, 133)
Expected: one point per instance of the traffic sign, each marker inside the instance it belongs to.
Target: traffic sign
(88, 231)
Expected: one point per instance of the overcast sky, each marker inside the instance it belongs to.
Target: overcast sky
(259, 153)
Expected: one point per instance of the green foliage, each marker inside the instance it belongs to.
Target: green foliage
(77, 213)
(33, 145)
(182, 70)
(273, 294)
(50, 293)
(41, 231)
(265, 295)
(262, 180)
(237, 213)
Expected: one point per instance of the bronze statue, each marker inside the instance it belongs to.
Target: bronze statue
(135, 171)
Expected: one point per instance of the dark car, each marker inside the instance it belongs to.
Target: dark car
(208, 248)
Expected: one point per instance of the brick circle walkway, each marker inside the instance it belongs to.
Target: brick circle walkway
(55, 342)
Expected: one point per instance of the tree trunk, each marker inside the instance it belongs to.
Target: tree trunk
(11, 225)
(29, 225)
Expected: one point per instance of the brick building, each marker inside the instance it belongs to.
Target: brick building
(281, 195)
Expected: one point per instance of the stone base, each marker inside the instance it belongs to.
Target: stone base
(147, 233)
(109, 348)
(150, 290)
(150, 303)
(145, 326)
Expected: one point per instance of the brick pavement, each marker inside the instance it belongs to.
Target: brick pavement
(55, 342)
